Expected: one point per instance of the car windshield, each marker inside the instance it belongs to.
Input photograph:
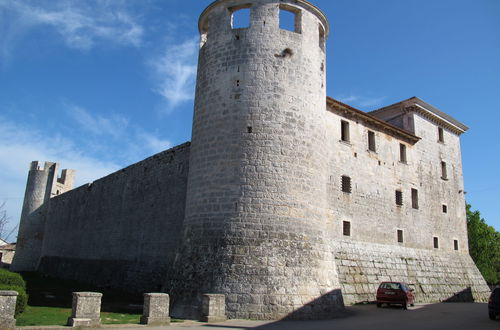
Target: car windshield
(393, 286)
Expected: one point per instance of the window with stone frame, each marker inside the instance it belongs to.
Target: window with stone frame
(400, 236)
(402, 153)
(346, 184)
(371, 141)
(440, 135)
(414, 198)
(436, 242)
(399, 198)
(344, 131)
(455, 244)
(346, 228)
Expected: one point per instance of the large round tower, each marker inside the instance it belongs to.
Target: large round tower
(256, 199)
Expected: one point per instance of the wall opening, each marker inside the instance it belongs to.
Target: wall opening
(455, 244)
(444, 172)
(371, 142)
(414, 198)
(249, 129)
(240, 16)
(346, 228)
(290, 19)
(399, 198)
(445, 208)
(440, 135)
(402, 153)
(344, 131)
(322, 40)
(400, 236)
(436, 242)
(346, 184)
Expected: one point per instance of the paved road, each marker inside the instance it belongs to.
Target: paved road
(453, 316)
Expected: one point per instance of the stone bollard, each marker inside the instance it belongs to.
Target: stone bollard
(213, 308)
(155, 311)
(86, 309)
(7, 309)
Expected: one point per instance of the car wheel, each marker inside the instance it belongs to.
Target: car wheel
(412, 304)
(492, 316)
(379, 305)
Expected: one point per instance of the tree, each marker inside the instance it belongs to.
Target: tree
(484, 246)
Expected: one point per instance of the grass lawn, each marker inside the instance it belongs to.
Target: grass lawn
(35, 315)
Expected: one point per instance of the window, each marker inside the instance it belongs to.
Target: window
(444, 172)
(400, 236)
(346, 228)
(344, 131)
(445, 208)
(402, 153)
(455, 244)
(346, 184)
(436, 242)
(414, 198)
(371, 141)
(440, 135)
(240, 17)
(399, 198)
(290, 19)
(321, 37)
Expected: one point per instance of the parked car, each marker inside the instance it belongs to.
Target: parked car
(395, 293)
(494, 303)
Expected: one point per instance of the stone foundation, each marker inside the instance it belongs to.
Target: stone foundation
(436, 276)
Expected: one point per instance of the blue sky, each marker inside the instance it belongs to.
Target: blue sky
(99, 84)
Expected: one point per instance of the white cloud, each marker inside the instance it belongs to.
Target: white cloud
(175, 71)
(114, 126)
(81, 24)
(361, 101)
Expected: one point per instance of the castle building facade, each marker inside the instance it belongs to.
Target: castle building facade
(286, 201)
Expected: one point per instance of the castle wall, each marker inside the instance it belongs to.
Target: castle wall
(122, 230)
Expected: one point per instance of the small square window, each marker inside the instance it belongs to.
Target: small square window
(290, 18)
(371, 141)
(240, 17)
(445, 208)
(346, 228)
(414, 198)
(346, 184)
(455, 244)
(399, 198)
(440, 135)
(344, 126)
(400, 236)
(436, 243)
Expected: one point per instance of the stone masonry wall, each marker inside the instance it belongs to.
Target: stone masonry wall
(435, 276)
(122, 230)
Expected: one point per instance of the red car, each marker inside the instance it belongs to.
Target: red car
(395, 293)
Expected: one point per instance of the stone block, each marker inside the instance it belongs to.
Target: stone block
(156, 309)
(86, 309)
(213, 308)
(7, 309)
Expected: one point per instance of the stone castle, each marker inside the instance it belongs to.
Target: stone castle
(286, 201)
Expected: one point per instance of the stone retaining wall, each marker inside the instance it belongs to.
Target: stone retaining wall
(436, 276)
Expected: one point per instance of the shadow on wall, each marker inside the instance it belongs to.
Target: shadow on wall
(462, 296)
(328, 306)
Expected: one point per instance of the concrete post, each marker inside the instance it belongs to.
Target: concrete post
(86, 309)
(214, 308)
(155, 311)
(7, 309)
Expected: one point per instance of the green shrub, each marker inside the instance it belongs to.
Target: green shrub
(22, 297)
(14, 282)
(10, 278)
